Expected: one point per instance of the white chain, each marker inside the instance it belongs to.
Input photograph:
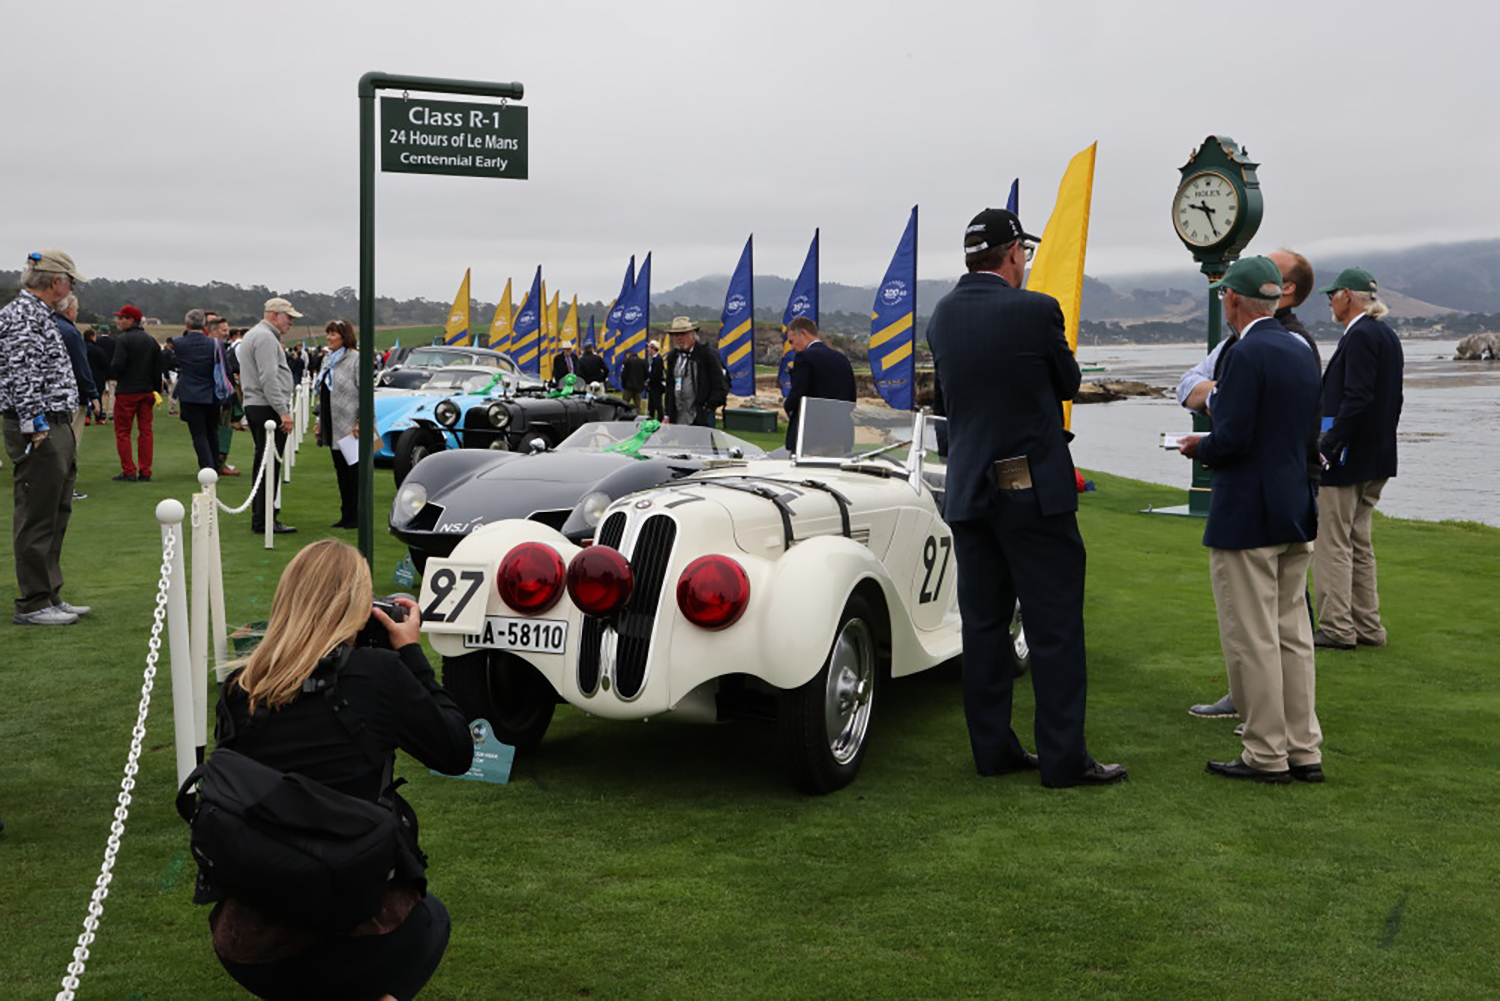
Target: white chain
(260, 473)
(127, 784)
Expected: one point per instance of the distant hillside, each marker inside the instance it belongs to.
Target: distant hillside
(1444, 277)
(1419, 282)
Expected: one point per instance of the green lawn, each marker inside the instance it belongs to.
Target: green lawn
(670, 861)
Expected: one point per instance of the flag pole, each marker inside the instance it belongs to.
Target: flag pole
(914, 309)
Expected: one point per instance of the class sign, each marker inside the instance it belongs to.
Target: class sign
(450, 137)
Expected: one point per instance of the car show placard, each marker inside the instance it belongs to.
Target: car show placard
(419, 136)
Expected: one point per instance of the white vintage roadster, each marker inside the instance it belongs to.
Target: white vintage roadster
(797, 585)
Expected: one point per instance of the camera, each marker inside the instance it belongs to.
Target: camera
(374, 633)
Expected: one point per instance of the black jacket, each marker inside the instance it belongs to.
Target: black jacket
(137, 364)
(1362, 393)
(821, 372)
(1003, 368)
(633, 373)
(592, 368)
(394, 694)
(712, 392)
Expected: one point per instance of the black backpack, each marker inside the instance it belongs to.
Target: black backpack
(293, 846)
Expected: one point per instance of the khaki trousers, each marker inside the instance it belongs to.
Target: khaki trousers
(1344, 564)
(1267, 640)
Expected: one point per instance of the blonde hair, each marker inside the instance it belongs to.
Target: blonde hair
(322, 600)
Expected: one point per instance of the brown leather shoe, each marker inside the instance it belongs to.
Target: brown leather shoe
(228, 471)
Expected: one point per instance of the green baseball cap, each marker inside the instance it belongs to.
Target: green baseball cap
(1354, 279)
(1254, 277)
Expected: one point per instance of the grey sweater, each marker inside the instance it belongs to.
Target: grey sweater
(265, 376)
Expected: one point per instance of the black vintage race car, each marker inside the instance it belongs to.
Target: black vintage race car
(517, 420)
(451, 494)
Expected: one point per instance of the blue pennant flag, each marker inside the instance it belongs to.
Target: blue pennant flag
(893, 323)
(525, 338)
(612, 321)
(635, 318)
(588, 338)
(1012, 204)
(737, 326)
(803, 302)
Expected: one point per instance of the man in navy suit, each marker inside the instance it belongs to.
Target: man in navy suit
(1262, 519)
(1003, 369)
(818, 372)
(1362, 406)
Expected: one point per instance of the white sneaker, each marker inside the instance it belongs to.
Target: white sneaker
(45, 617)
(81, 611)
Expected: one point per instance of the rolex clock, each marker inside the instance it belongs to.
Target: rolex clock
(1206, 208)
(1217, 207)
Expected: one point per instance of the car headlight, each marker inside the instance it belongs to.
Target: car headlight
(498, 415)
(592, 507)
(410, 499)
(447, 413)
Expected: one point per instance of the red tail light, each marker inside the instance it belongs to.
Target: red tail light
(713, 592)
(530, 578)
(600, 581)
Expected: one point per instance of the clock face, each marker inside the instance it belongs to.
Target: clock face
(1205, 209)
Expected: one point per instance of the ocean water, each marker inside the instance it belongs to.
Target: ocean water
(1446, 459)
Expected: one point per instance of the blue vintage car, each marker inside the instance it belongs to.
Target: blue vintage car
(505, 416)
(396, 410)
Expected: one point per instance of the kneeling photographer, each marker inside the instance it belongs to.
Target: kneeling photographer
(305, 741)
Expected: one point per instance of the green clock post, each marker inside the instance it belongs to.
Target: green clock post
(1216, 212)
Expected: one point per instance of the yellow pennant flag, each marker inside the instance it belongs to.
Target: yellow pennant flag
(457, 327)
(546, 343)
(570, 325)
(1058, 268)
(500, 326)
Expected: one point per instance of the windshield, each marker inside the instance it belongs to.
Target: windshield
(438, 358)
(667, 440)
(835, 432)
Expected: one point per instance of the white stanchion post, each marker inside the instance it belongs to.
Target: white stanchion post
(216, 580)
(198, 616)
(169, 513)
(268, 483)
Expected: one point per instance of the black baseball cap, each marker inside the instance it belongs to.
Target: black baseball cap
(995, 228)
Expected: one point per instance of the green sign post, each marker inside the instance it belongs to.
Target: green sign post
(446, 137)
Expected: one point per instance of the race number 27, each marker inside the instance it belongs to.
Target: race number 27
(934, 561)
(446, 584)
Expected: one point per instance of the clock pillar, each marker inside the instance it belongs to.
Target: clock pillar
(1216, 212)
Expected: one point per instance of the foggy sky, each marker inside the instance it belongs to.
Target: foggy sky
(199, 142)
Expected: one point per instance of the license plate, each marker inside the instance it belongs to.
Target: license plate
(506, 632)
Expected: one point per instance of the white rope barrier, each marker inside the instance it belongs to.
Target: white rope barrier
(171, 563)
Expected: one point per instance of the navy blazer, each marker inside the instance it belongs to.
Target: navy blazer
(1003, 369)
(820, 372)
(196, 355)
(1265, 403)
(1362, 393)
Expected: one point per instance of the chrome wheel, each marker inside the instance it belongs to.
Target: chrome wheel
(849, 696)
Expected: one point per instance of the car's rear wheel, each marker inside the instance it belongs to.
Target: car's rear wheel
(1020, 650)
(825, 723)
(500, 687)
(412, 446)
